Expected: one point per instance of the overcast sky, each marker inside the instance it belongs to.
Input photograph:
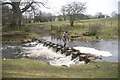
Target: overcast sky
(93, 6)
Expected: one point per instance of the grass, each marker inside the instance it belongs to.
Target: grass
(108, 26)
(25, 68)
(11, 35)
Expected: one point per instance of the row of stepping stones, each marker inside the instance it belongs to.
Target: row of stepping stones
(69, 51)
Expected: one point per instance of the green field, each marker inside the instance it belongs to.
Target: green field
(108, 30)
(108, 26)
(24, 68)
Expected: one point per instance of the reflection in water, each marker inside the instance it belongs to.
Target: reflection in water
(110, 45)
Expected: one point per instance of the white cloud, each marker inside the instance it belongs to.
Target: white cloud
(93, 6)
(104, 6)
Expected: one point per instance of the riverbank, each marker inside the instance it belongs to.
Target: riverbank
(16, 36)
(25, 68)
(108, 29)
(104, 28)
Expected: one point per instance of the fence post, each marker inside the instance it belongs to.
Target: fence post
(104, 24)
(89, 24)
(51, 27)
(83, 26)
(111, 24)
(60, 29)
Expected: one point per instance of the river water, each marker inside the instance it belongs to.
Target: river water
(39, 52)
(104, 45)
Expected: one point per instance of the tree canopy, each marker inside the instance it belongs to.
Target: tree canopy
(18, 8)
(73, 10)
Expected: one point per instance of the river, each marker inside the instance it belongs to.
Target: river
(39, 52)
(104, 45)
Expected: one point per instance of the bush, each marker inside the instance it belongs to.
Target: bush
(95, 29)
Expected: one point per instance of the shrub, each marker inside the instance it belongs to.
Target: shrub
(95, 29)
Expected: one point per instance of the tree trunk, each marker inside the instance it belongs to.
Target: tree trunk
(72, 21)
(17, 15)
(17, 12)
(16, 19)
(64, 17)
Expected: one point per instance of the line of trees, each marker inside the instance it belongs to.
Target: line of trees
(44, 17)
(14, 12)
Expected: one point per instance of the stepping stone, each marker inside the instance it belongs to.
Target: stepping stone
(62, 50)
(44, 43)
(74, 50)
(86, 57)
(83, 55)
(48, 43)
(51, 45)
(54, 46)
(58, 48)
(82, 58)
(75, 54)
(91, 58)
(67, 48)
(68, 52)
(41, 40)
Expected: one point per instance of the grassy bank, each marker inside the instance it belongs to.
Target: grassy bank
(108, 27)
(11, 35)
(108, 30)
(24, 68)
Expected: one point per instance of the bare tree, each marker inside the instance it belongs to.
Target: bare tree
(73, 9)
(6, 15)
(63, 12)
(18, 10)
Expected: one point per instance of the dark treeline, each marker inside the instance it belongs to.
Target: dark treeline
(7, 15)
(12, 15)
(44, 17)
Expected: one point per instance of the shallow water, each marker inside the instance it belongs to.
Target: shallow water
(39, 52)
(104, 45)
(9, 50)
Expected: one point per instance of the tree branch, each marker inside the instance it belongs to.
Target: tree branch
(26, 7)
(7, 3)
(41, 4)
